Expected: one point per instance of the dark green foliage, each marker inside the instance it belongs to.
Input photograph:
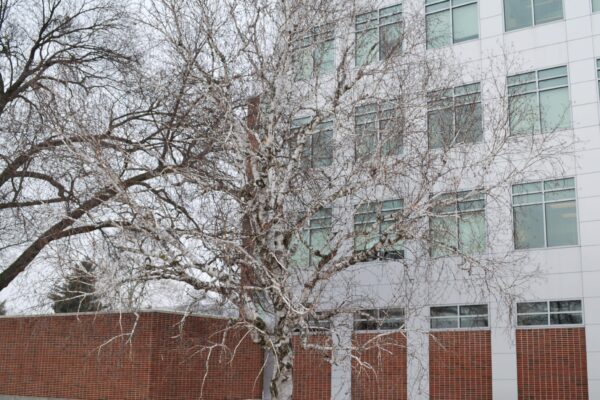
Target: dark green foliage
(77, 294)
(3, 307)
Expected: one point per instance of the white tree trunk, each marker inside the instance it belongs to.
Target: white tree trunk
(282, 384)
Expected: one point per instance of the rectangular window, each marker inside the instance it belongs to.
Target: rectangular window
(379, 319)
(545, 214)
(595, 5)
(451, 21)
(314, 52)
(598, 70)
(374, 222)
(459, 317)
(378, 34)
(318, 323)
(566, 312)
(539, 101)
(459, 224)
(377, 124)
(454, 116)
(314, 242)
(318, 148)
(523, 13)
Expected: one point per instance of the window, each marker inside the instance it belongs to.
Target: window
(314, 53)
(598, 70)
(539, 101)
(372, 221)
(545, 214)
(458, 224)
(451, 21)
(454, 116)
(379, 319)
(318, 148)
(523, 13)
(378, 34)
(315, 239)
(374, 124)
(595, 5)
(454, 317)
(319, 323)
(565, 312)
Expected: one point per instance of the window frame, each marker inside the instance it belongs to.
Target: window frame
(548, 313)
(377, 211)
(305, 240)
(379, 321)
(533, 24)
(380, 141)
(318, 326)
(539, 125)
(598, 74)
(543, 205)
(308, 154)
(450, 9)
(375, 23)
(457, 100)
(459, 317)
(479, 195)
(311, 40)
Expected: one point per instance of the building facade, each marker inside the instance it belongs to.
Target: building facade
(460, 344)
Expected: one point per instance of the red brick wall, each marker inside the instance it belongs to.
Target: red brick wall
(551, 364)
(387, 380)
(312, 370)
(62, 356)
(460, 365)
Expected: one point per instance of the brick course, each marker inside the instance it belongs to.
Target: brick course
(387, 380)
(551, 364)
(63, 356)
(460, 365)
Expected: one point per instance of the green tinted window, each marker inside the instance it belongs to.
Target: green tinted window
(374, 223)
(455, 116)
(314, 53)
(517, 14)
(523, 13)
(378, 35)
(547, 10)
(312, 242)
(539, 101)
(451, 21)
(595, 5)
(458, 224)
(545, 214)
(377, 125)
(318, 144)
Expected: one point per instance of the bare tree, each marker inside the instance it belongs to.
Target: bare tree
(83, 125)
(260, 152)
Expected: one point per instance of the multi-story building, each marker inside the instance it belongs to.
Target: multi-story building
(461, 344)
